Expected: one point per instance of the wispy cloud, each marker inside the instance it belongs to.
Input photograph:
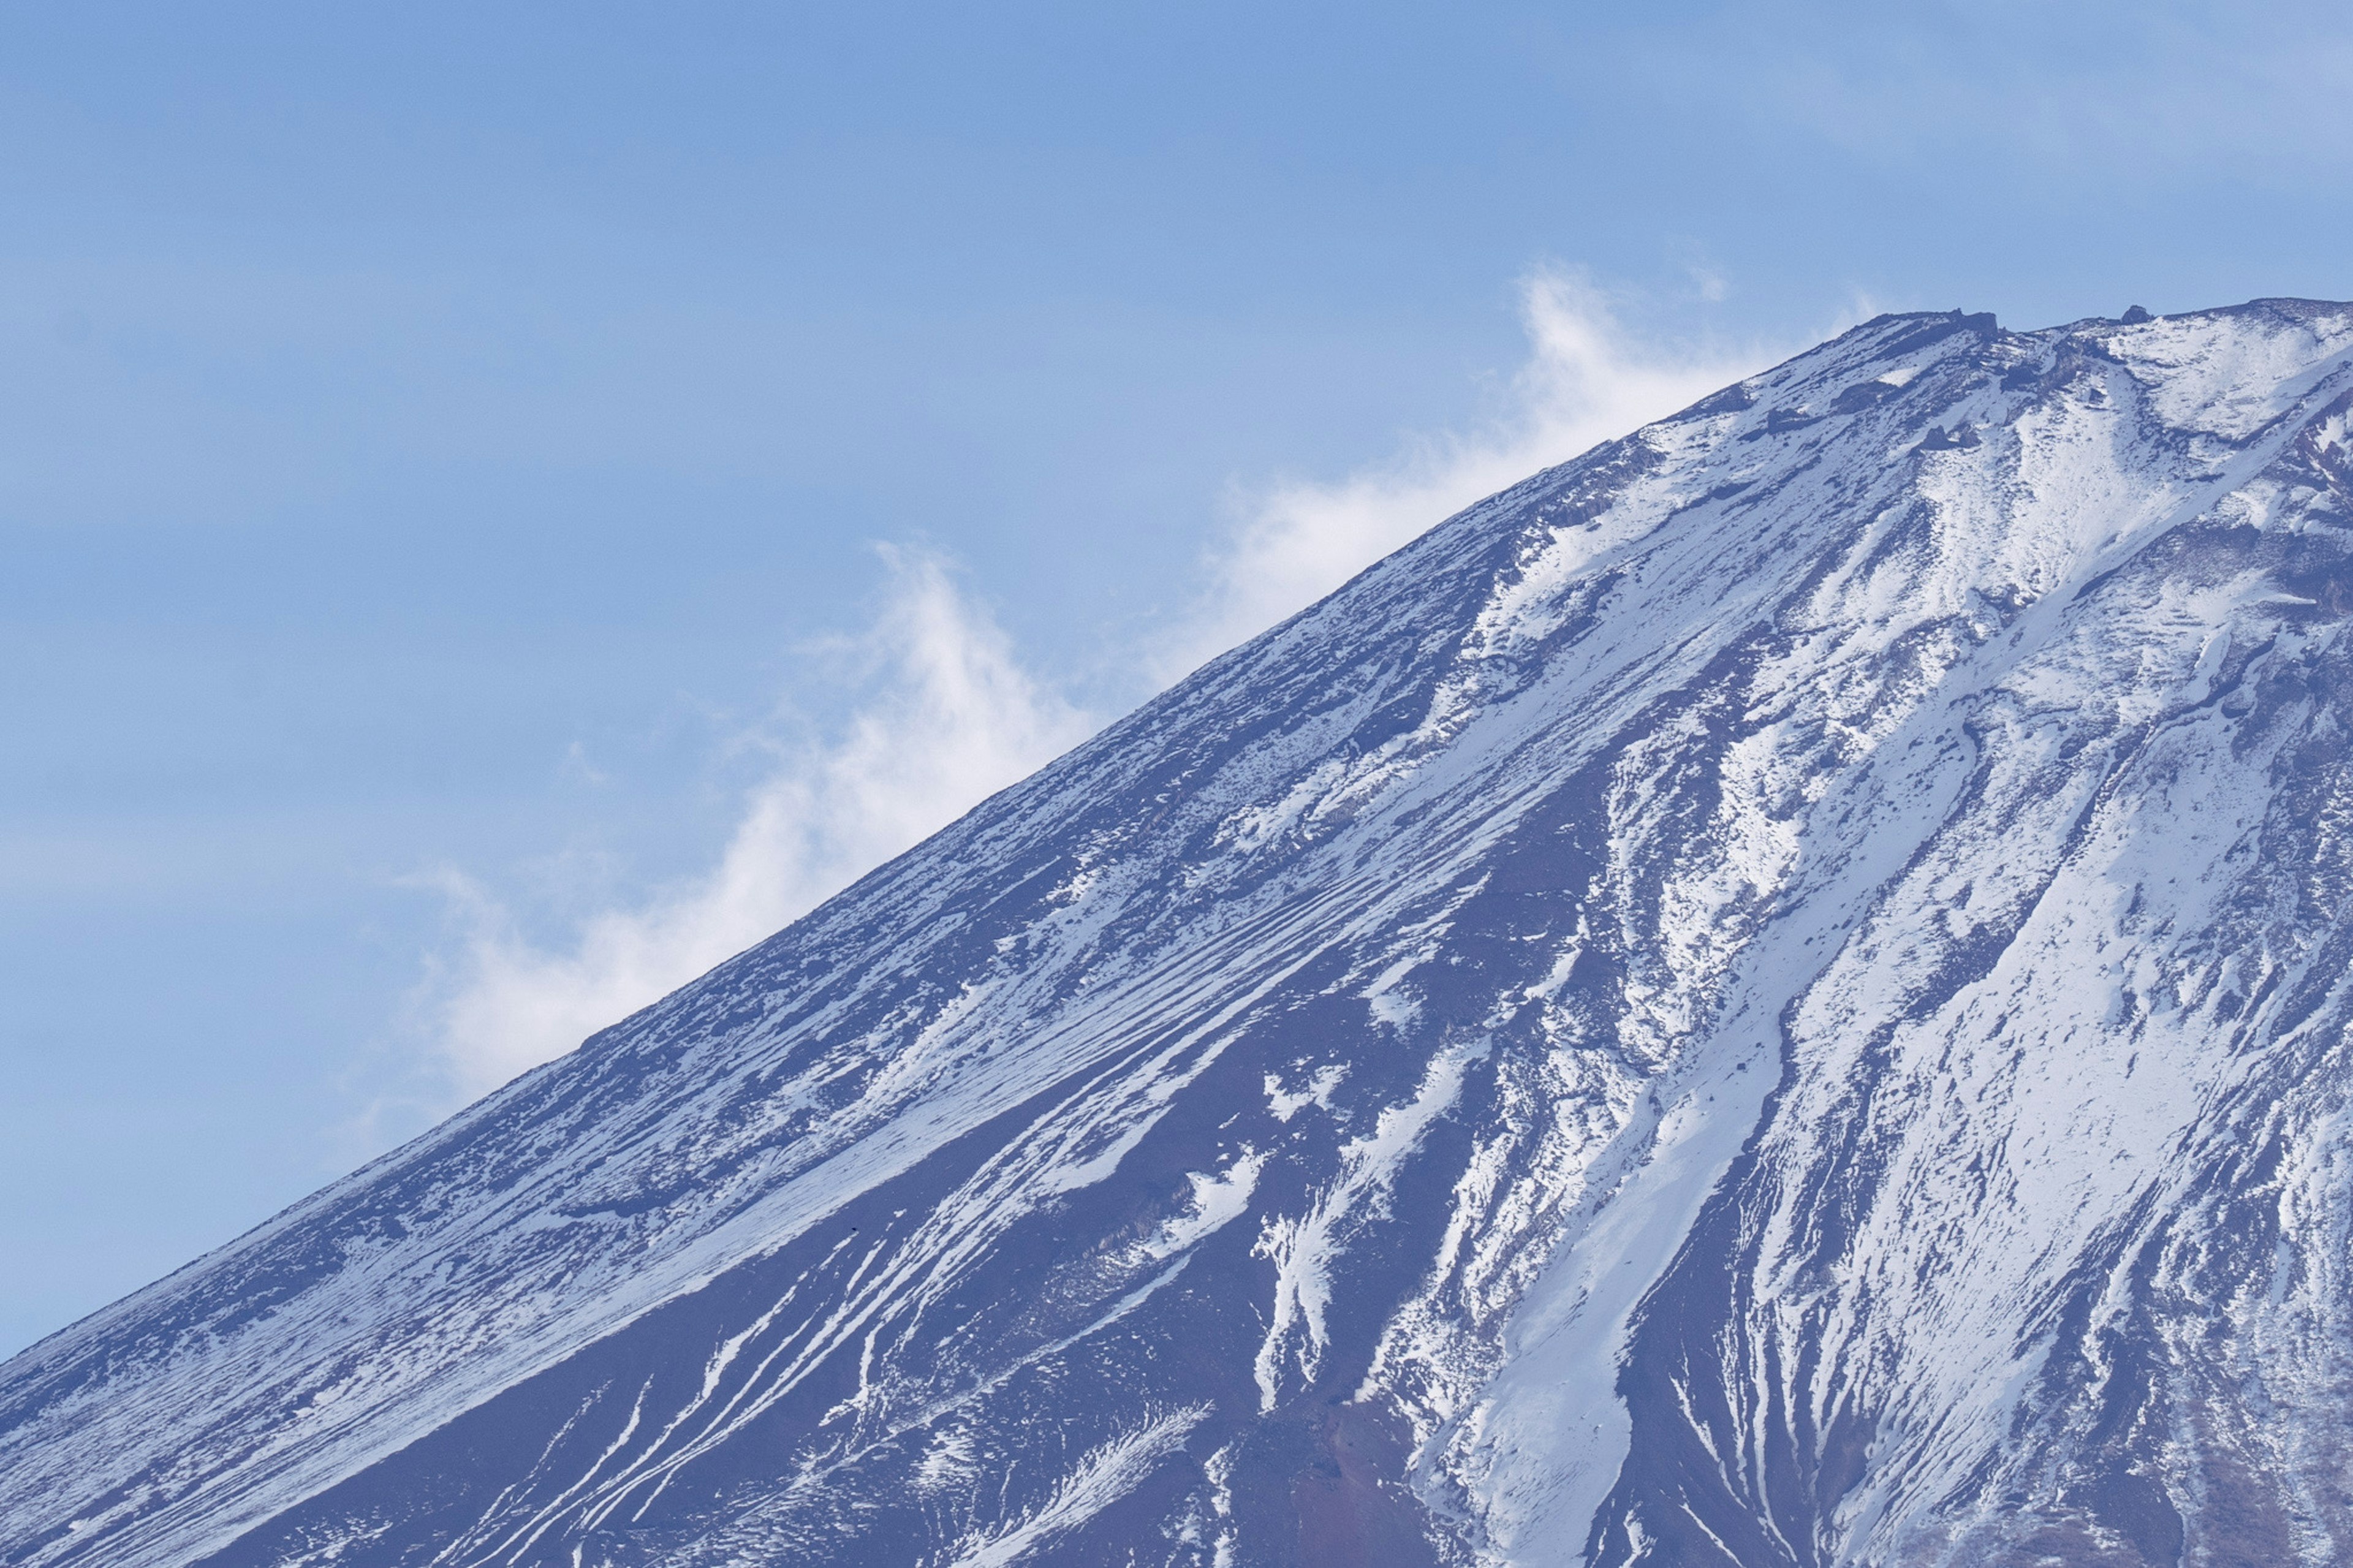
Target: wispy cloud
(1587, 380)
(949, 716)
(949, 713)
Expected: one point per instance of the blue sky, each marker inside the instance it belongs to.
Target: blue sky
(443, 449)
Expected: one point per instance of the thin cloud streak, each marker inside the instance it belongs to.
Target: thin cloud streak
(950, 718)
(1587, 380)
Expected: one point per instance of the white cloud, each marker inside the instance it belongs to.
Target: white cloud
(1586, 381)
(950, 717)
(950, 714)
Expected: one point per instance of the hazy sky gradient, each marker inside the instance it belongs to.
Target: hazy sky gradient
(442, 441)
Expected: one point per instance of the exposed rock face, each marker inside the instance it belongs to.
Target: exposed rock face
(1775, 994)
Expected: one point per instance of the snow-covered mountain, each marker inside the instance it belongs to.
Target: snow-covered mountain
(1775, 994)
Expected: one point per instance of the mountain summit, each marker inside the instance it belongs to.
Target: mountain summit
(1774, 994)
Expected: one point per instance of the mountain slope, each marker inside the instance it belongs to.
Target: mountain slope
(1774, 994)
